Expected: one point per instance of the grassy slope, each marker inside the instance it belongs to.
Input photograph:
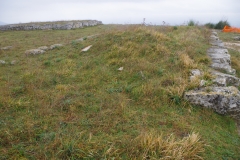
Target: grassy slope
(68, 104)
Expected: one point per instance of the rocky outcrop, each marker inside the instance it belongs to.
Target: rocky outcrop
(223, 100)
(224, 80)
(63, 25)
(223, 95)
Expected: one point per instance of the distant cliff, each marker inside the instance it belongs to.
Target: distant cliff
(51, 25)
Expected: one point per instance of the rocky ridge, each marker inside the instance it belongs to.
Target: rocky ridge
(63, 25)
(223, 95)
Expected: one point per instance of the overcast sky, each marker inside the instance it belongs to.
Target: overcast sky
(173, 12)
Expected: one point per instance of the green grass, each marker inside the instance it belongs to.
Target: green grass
(68, 104)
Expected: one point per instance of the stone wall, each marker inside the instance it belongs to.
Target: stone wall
(222, 94)
(63, 25)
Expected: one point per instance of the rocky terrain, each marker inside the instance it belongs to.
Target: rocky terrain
(223, 95)
(64, 25)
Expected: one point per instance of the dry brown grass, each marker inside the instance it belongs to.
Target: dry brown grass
(152, 145)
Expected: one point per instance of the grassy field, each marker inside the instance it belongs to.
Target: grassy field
(68, 104)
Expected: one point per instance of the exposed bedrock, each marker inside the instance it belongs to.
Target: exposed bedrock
(64, 25)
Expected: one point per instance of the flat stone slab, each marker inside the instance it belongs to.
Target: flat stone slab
(86, 48)
(224, 80)
(221, 59)
(223, 100)
(214, 38)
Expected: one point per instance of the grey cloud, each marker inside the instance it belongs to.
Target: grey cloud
(121, 11)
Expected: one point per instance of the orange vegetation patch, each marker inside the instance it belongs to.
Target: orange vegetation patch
(231, 29)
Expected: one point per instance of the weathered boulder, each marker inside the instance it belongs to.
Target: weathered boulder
(34, 51)
(223, 100)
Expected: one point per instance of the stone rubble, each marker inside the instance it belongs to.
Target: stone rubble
(223, 95)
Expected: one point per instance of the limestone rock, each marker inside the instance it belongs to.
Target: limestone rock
(215, 41)
(43, 48)
(86, 48)
(194, 74)
(220, 59)
(6, 48)
(224, 80)
(214, 33)
(213, 37)
(2, 62)
(51, 25)
(224, 100)
(55, 46)
(237, 38)
(202, 83)
(121, 68)
(34, 51)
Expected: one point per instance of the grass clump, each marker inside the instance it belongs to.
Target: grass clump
(68, 104)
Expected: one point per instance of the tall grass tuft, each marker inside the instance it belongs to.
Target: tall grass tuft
(152, 145)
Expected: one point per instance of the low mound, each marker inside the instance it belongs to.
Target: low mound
(121, 98)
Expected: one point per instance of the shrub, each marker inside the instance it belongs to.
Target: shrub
(221, 24)
(210, 25)
(191, 23)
